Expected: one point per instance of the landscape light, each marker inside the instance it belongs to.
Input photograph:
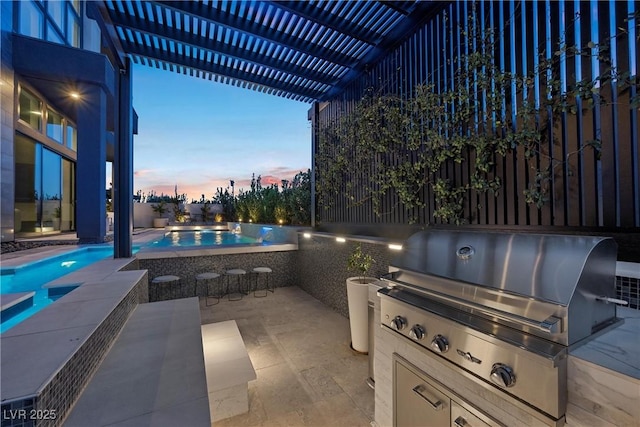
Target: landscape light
(395, 247)
(306, 235)
(341, 239)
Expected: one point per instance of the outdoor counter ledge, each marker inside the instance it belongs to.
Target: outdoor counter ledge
(604, 376)
(50, 356)
(173, 252)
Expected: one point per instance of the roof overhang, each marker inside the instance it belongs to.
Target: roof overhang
(56, 70)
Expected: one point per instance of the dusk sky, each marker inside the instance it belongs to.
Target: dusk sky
(199, 134)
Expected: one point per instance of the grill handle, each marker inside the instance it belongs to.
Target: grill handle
(435, 405)
(551, 325)
(608, 300)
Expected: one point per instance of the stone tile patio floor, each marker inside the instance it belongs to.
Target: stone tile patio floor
(307, 373)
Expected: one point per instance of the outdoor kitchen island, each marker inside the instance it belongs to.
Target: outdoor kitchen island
(506, 334)
(599, 394)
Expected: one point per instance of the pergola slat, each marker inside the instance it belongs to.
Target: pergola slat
(300, 50)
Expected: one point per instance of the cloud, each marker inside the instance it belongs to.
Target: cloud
(143, 173)
(267, 180)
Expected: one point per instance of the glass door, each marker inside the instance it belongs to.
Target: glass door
(44, 189)
(67, 220)
(27, 210)
(52, 190)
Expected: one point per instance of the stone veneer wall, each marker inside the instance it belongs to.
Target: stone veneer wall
(133, 265)
(187, 267)
(60, 393)
(7, 90)
(321, 263)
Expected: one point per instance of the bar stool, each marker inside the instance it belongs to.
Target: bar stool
(257, 272)
(207, 279)
(171, 281)
(239, 275)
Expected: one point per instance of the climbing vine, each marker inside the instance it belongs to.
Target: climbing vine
(393, 144)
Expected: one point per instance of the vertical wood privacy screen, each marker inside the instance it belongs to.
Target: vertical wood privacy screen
(591, 187)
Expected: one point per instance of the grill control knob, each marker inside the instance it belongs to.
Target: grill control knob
(503, 375)
(398, 323)
(440, 344)
(417, 332)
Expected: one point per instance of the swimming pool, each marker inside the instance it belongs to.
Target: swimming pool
(203, 238)
(16, 283)
(32, 276)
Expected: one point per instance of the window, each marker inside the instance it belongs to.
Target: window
(54, 125)
(53, 35)
(56, 12)
(31, 20)
(56, 21)
(30, 109)
(57, 128)
(72, 138)
(73, 28)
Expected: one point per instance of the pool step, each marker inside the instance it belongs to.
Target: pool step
(13, 304)
(55, 292)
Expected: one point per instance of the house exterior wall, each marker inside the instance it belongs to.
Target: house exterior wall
(7, 90)
(48, 55)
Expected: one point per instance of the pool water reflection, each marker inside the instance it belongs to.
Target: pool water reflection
(203, 238)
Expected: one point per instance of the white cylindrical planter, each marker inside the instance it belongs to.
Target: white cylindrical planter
(160, 222)
(358, 297)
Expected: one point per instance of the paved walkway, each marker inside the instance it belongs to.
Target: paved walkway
(307, 374)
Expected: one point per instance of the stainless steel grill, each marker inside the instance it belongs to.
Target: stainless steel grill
(503, 307)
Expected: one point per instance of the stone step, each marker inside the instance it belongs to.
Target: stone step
(154, 375)
(13, 304)
(229, 369)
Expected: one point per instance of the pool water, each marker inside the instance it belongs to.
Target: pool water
(32, 276)
(202, 238)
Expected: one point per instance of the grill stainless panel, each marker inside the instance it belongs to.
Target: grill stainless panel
(503, 307)
(545, 285)
(540, 374)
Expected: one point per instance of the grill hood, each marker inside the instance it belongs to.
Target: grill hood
(553, 286)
